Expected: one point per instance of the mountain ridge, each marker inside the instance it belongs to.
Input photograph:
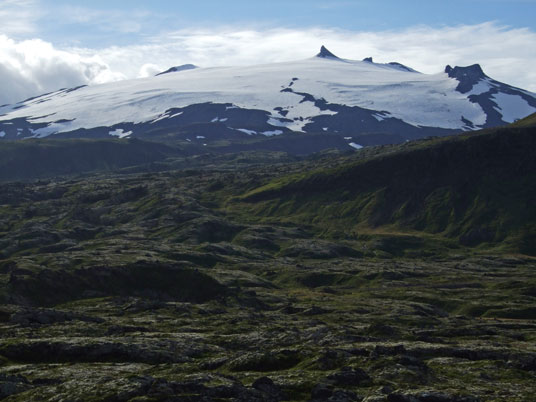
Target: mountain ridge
(348, 100)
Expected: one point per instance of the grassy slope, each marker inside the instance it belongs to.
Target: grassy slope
(529, 121)
(478, 188)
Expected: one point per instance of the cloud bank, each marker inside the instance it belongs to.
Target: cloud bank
(32, 67)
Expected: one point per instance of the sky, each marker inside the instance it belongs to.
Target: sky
(50, 44)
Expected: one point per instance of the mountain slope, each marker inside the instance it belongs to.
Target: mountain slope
(359, 101)
(35, 159)
(476, 188)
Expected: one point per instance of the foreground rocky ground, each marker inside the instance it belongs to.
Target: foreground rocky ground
(163, 287)
(340, 329)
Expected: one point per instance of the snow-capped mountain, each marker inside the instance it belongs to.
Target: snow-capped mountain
(362, 102)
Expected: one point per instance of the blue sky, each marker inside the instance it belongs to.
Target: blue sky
(48, 44)
(93, 21)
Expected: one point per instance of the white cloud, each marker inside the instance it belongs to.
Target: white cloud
(149, 70)
(33, 67)
(506, 54)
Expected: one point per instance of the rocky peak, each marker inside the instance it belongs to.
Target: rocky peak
(175, 69)
(467, 76)
(326, 54)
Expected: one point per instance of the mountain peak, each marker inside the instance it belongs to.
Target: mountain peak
(402, 67)
(474, 71)
(326, 54)
(467, 76)
(368, 60)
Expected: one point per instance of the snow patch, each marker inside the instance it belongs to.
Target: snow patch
(480, 87)
(200, 137)
(120, 133)
(270, 133)
(217, 119)
(378, 117)
(356, 146)
(348, 138)
(2, 134)
(277, 123)
(165, 116)
(512, 107)
(248, 132)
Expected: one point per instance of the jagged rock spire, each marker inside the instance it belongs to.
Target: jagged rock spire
(325, 53)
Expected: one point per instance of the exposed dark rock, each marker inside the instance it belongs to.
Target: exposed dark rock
(13, 384)
(331, 359)
(412, 361)
(213, 364)
(341, 395)
(208, 229)
(349, 377)
(124, 329)
(467, 76)
(321, 392)
(383, 330)
(325, 53)
(315, 310)
(431, 396)
(268, 361)
(183, 67)
(320, 250)
(267, 387)
(476, 236)
(52, 351)
(146, 279)
(29, 316)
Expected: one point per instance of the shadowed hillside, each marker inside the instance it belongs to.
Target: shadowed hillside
(34, 159)
(477, 188)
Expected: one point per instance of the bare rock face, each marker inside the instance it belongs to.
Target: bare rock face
(325, 54)
(12, 385)
(183, 67)
(429, 397)
(350, 377)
